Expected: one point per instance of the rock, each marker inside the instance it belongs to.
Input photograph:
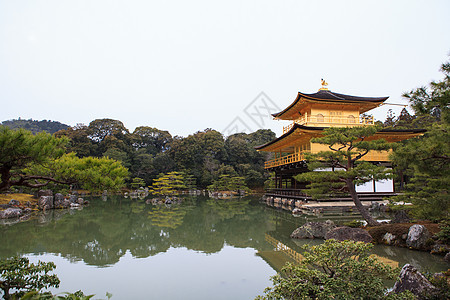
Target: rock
(58, 200)
(440, 249)
(28, 204)
(45, 193)
(313, 230)
(296, 211)
(412, 280)
(418, 236)
(45, 202)
(374, 206)
(13, 202)
(447, 257)
(25, 217)
(74, 205)
(401, 216)
(10, 213)
(73, 198)
(80, 201)
(389, 238)
(348, 233)
(4, 206)
(66, 203)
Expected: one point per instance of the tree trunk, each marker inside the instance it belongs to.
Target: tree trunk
(362, 210)
(5, 177)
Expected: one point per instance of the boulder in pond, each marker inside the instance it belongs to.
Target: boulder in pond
(13, 202)
(58, 200)
(418, 236)
(344, 233)
(45, 202)
(312, 230)
(10, 213)
(45, 193)
(447, 257)
(411, 279)
(73, 198)
(389, 238)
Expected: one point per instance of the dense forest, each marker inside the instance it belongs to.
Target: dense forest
(35, 126)
(148, 152)
(205, 155)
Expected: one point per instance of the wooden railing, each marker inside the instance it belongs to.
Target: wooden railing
(284, 160)
(298, 157)
(329, 120)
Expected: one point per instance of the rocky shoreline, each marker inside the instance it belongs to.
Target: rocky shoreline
(45, 201)
(414, 236)
(411, 235)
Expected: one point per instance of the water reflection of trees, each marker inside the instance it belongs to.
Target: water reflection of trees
(104, 232)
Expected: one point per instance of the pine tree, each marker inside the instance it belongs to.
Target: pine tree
(341, 168)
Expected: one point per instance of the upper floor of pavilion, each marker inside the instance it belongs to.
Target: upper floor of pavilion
(329, 109)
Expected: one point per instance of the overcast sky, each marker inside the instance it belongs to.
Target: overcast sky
(184, 66)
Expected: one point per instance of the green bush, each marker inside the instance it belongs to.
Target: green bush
(19, 274)
(355, 224)
(335, 270)
(444, 234)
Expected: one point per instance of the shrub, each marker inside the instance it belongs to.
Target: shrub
(334, 270)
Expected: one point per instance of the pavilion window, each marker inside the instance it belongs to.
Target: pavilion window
(351, 119)
(319, 118)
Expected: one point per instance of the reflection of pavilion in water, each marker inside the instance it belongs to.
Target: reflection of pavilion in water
(282, 254)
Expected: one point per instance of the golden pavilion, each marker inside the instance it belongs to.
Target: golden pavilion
(309, 115)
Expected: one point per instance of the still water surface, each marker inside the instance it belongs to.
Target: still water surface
(202, 249)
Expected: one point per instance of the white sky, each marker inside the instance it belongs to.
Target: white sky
(184, 66)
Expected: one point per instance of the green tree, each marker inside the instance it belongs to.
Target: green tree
(79, 141)
(229, 183)
(109, 133)
(335, 270)
(137, 183)
(390, 119)
(19, 149)
(91, 173)
(169, 184)
(151, 139)
(344, 162)
(18, 273)
(36, 160)
(426, 159)
(199, 154)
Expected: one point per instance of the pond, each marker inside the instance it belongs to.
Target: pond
(204, 248)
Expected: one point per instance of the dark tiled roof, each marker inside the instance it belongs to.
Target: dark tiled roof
(295, 126)
(412, 130)
(288, 133)
(330, 96)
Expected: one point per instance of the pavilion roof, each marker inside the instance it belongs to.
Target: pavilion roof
(327, 96)
(300, 131)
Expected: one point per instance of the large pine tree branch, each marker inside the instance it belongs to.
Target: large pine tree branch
(25, 181)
